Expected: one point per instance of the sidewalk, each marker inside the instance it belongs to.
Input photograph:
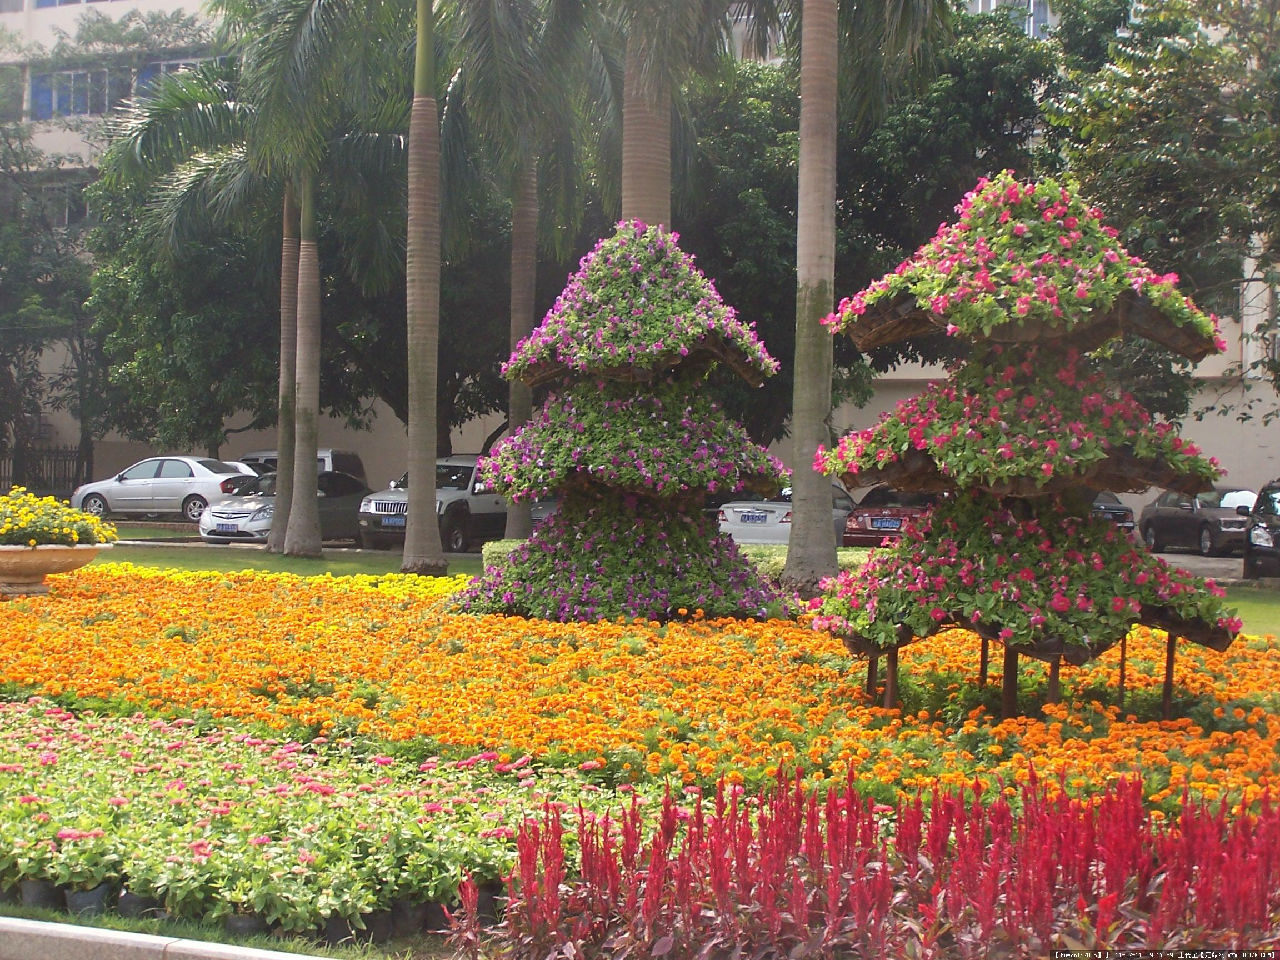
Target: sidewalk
(36, 940)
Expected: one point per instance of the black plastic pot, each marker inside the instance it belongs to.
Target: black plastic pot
(89, 902)
(42, 893)
(131, 905)
(245, 924)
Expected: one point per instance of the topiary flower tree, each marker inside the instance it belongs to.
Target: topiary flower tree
(631, 444)
(1032, 280)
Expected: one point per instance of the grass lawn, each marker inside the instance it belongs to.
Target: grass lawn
(227, 558)
(1259, 609)
(135, 530)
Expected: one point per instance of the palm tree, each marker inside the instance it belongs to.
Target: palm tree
(879, 43)
(299, 62)
(219, 143)
(811, 553)
(665, 39)
(286, 413)
(423, 551)
(517, 90)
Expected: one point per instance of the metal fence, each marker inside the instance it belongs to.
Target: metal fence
(53, 470)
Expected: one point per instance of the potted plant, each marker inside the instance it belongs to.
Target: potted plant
(43, 535)
(87, 867)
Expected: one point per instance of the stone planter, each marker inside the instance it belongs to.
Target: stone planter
(23, 569)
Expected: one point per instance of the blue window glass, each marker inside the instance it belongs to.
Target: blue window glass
(46, 3)
(145, 76)
(42, 96)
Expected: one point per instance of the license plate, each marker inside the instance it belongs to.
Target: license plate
(227, 528)
(393, 521)
(754, 516)
(886, 523)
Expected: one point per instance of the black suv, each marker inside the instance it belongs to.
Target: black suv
(1262, 534)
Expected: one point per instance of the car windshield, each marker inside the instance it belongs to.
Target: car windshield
(453, 476)
(263, 486)
(1227, 499)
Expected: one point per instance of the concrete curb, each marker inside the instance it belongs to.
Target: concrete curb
(37, 940)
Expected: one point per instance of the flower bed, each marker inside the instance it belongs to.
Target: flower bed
(30, 521)
(695, 700)
(211, 822)
(417, 747)
(962, 876)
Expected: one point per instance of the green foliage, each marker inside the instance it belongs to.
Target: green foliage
(1171, 124)
(183, 334)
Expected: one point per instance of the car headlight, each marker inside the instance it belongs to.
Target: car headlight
(366, 505)
(263, 513)
(1261, 537)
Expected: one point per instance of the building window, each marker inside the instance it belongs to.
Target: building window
(63, 204)
(77, 93)
(157, 67)
(10, 6)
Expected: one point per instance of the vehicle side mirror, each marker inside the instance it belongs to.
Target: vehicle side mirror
(1243, 511)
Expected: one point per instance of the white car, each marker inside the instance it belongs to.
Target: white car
(769, 521)
(184, 485)
(246, 515)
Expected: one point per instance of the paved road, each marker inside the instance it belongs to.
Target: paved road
(1219, 568)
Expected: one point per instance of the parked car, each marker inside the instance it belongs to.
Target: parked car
(881, 514)
(327, 459)
(469, 511)
(1107, 506)
(1207, 522)
(183, 485)
(1261, 547)
(769, 521)
(246, 515)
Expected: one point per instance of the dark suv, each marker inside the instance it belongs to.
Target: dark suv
(1262, 533)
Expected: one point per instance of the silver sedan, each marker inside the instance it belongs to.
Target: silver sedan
(184, 485)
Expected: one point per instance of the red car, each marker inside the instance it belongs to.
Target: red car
(881, 514)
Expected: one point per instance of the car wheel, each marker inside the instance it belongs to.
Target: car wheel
(193, 507)
(1206, 543)
(1150, 539)
(454, 535)
(94, 505)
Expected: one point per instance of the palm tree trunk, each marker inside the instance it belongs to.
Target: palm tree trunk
(422, 549)
(646, 146)
(285, 426)
(302, 536)
(812, 551)
(524, 256)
